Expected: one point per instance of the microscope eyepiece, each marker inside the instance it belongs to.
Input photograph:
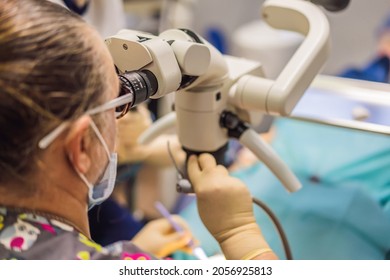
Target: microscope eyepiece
(141, 84)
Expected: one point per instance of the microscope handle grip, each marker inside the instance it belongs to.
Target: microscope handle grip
(267, 155)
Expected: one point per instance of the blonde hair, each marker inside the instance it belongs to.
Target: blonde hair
(48, 74)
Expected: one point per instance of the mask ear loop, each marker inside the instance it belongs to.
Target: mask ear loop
(183, 185)
(83, 178)
(100, 137)
(112, 167)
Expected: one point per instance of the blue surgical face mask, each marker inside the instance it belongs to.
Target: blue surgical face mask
(102, 189)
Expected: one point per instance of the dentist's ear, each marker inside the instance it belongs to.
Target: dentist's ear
(78, 144)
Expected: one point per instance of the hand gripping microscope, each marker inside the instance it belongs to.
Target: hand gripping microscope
(219, 96)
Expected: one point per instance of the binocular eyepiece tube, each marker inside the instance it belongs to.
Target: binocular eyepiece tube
(141, 84)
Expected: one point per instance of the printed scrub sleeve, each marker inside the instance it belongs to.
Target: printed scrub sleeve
(25, 235)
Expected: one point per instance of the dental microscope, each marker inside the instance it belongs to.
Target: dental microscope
(219, 96)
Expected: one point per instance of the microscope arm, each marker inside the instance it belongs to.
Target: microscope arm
(279, 97)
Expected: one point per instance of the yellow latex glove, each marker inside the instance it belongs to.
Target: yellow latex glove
(159, 238)
(225, 207)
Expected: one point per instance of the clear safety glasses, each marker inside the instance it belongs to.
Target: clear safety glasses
(122, 105)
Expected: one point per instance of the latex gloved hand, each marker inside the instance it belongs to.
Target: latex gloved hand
(225, 207)
(159, 238)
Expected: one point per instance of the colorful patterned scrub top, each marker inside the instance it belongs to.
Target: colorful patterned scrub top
(25, 235)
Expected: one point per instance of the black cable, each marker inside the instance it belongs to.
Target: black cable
(278, 226)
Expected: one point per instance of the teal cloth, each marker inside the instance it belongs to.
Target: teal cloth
(343, 209)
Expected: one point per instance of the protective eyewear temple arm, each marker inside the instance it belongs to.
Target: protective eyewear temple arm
(117, 102)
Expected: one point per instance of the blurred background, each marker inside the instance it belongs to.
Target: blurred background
(354, 30)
